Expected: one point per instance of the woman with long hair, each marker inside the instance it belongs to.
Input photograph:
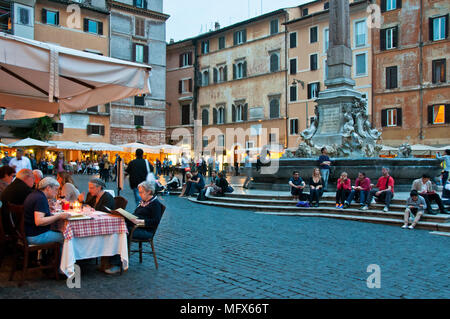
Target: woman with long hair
(315, 187)
(59, 163)
(67, 189)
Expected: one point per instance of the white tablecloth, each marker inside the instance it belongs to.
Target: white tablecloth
(92, 247)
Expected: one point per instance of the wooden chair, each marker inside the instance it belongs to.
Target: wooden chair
(120, 202)
(140, 241)
(17, 224)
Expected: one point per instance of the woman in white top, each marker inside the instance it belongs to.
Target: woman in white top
(67, 189)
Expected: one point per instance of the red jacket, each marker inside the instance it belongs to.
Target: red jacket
(347, 184)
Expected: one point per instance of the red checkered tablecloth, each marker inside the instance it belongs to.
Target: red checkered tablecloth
(102, 225)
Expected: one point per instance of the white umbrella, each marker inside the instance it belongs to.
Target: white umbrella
(443, 148)
(48, 79)
(421, 147)
(166, 148)
(29, 142)
(102, 147)
(132, 147)
(387, 148)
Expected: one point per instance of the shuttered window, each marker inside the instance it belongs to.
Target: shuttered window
(92, 26)
(313, 90)
(313, 62)
(439, 114)
(293, 66)
(391, 77)
(438, 28)
(139, 27)
(389, 38)
(58, 127)
(139, 120)
(391, 117)
(274, 62)
(293, 126)
(274, 26)
(439, 71)
(95, 129)
(293, 40)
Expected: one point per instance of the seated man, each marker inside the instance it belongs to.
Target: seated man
(173, 183)
(297, 185)
(15, 193)
(384, 190)
(361, 188)
(415, 205)
(424, 187)
(38, 176)
(196, 184)
(37, 214)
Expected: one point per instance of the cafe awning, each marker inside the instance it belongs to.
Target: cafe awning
(38, 78)
(68, 145)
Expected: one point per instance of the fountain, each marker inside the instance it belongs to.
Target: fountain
(341, 124)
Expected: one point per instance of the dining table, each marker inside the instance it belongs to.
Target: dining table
(91, 234)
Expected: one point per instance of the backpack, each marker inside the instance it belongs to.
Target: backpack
(303, 204)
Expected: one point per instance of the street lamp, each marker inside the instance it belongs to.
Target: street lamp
(294, 82)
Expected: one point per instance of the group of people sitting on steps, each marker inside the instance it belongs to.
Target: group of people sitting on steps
(365, 191)
(195, 183)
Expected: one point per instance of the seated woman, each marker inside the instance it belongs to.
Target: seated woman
(97, 198)
(344, 187)
(67, 190)
(148, 213)
(37, 214)
(188, 179)
(315, 187)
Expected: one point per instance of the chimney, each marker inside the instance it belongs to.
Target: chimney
(216, 26)
(171, 41)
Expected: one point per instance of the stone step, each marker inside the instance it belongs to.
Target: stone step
(289, 197)
(398, 209)
(349, 214)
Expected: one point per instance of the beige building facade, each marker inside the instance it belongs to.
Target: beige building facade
(180, 91)
(242, 87)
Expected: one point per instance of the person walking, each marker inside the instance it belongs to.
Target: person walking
(248, 170)
(137, 171)
(184, 166)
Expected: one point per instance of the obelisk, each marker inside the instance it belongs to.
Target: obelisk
(339, 94)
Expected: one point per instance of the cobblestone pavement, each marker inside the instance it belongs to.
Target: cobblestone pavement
(206, 252)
